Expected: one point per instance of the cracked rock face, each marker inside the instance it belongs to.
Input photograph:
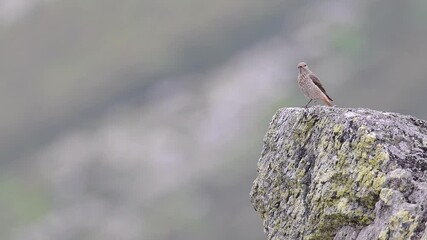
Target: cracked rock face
(333, 173)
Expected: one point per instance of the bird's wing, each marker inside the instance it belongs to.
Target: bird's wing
(318, 84)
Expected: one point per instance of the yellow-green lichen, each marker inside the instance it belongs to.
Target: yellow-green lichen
(338, 129)
(384, 234)
(349, 187)
(402, 225)
(300, 174)
(386, 195)
(332, 173)
(365, 143)
(379, 181)
(381, 156)
(303, 130)
(343, 157)
(370, 138)
(342, 205)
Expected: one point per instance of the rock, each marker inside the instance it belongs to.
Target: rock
(334, 173)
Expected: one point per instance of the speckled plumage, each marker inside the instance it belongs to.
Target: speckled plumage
(310, 85)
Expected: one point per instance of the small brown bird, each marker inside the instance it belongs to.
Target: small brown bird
(310, 85)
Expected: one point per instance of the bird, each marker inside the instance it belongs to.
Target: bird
(310, 85)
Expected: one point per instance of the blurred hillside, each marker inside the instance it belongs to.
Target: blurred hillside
(69, 60)
(144, 119)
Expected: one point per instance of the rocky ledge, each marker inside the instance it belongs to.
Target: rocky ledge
(335, 173)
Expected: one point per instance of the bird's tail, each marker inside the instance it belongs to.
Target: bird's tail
(327, 101)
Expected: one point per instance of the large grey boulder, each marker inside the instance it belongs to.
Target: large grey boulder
(334, 173)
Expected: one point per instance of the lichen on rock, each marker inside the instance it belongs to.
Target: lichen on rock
(328, 173)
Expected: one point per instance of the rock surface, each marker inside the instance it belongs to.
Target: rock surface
(334, 173)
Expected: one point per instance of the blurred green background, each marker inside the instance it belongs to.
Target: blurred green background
(144, 119)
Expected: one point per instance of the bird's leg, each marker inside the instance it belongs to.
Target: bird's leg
(308, 103)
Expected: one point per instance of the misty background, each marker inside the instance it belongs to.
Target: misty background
(144, 119)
